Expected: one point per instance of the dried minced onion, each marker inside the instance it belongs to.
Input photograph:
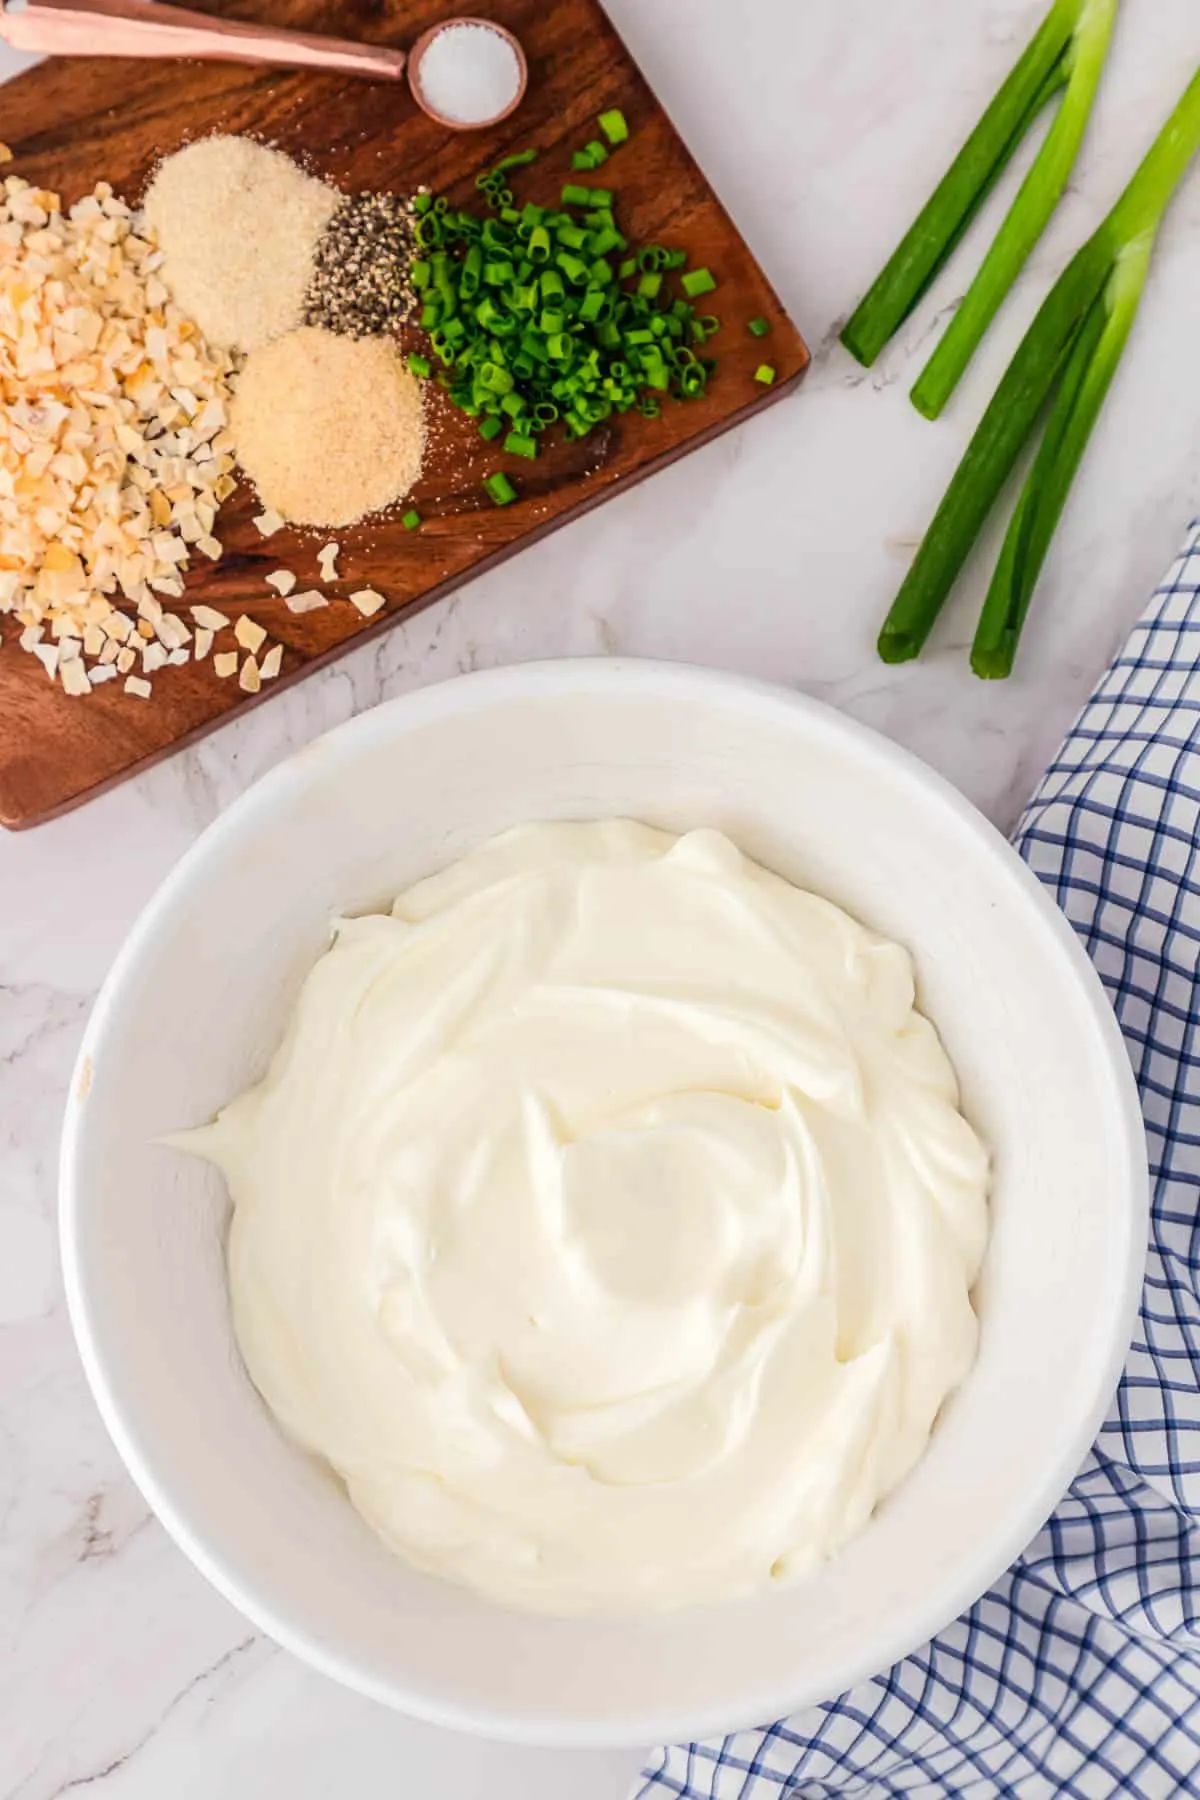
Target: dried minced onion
(115, 453)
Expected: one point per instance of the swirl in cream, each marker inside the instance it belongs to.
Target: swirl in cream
(607, 1221)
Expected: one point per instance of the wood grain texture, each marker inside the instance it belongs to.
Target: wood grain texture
(73, 123)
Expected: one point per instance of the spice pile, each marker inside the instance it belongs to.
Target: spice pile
(361, 283)
(239, 227)
(309, 284)
(115, 452)
(328, 428)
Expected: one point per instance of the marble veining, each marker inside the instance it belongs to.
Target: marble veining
(775, 551)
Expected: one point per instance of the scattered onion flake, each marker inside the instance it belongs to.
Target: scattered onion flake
(209, 619)
(249, 634)
(310, 601)
(368, 602)
(115, 452)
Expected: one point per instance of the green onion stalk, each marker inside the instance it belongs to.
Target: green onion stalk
(1066, 56)
(1061, 372)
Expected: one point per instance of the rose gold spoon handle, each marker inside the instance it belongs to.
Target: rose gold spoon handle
(140, 28)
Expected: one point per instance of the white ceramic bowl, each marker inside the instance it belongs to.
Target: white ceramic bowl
(198, 998)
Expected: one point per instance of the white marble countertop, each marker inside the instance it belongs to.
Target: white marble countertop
(776, 552)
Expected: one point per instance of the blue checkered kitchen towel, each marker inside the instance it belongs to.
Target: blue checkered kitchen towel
(1078, 1676)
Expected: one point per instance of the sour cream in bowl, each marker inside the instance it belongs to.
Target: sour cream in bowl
(723, 1150)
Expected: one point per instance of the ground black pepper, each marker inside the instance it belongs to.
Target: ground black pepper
(361, 286)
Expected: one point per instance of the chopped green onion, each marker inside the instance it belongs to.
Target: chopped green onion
(411, 520)
(606, 239)
(581, 196)
(766, 374)
(613, 125)
(419, 365)
(581, 161)
(597, 151)
(697, 282)
(759, 328)
(532, 325)
(500, 489)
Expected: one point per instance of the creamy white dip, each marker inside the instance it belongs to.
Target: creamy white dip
(607, 1221)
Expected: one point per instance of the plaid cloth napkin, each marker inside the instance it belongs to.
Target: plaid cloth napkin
(1078, 1676)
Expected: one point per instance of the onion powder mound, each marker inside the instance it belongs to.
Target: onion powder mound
(328, 428)
(239, 226)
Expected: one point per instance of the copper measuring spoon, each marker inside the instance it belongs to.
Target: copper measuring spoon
(142, 29)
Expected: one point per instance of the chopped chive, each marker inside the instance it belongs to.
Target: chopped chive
(545, 316)
(499, 489)
(588, 197)
(411, 520)
(613, 125)
(520, 160)
(697, 282)
(765, 374)
(759, 328)
(419, 365)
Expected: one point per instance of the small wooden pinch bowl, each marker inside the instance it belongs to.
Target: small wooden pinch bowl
(416, 57)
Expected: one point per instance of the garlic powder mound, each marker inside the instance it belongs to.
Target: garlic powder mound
(238, 225)
(328, 428)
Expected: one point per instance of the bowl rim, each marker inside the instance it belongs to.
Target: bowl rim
(598, 676)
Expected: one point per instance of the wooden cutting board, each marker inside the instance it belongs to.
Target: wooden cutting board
(72, 123)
